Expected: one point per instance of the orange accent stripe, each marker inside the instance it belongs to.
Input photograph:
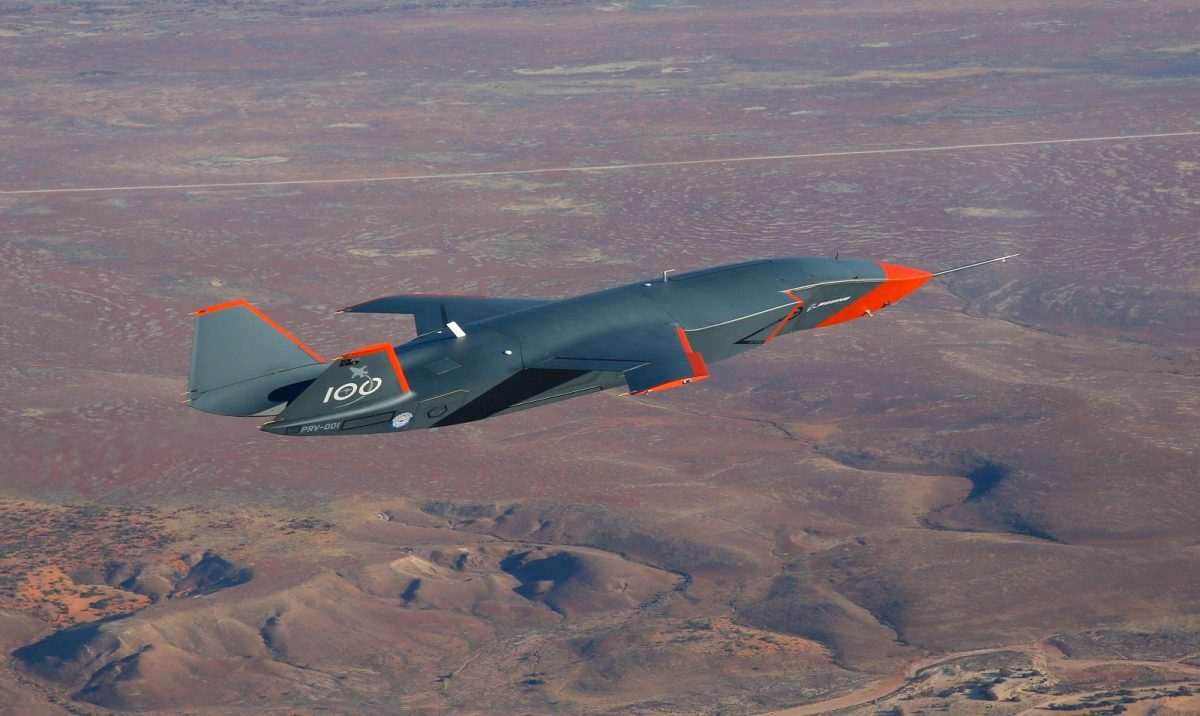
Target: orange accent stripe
(683, 339)
(695, 360)
(799, 305)
(220, 307)
(391, 352)
(241, 302)
(699, 368)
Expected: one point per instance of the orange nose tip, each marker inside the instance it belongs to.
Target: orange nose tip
(899, 281)
(904, 273)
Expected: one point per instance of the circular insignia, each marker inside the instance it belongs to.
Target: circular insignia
(401, 420)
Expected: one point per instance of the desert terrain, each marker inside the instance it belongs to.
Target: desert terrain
(983, 500)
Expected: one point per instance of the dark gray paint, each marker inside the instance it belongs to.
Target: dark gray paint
(521, 353)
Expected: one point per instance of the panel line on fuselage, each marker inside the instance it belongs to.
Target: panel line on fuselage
(834, 283)
(790, 304)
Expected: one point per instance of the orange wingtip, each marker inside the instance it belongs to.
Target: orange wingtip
(391, 354)
(671, 384)
(695, 360)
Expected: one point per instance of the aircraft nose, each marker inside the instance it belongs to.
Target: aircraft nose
(898, 282)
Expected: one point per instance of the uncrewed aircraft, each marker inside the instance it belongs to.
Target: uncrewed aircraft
(475, 357)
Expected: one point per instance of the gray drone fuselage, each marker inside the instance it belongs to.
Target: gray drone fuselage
(478, 357)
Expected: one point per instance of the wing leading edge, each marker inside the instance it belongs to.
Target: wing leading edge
(432, 313)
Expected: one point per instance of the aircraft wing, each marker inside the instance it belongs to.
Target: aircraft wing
(652, 357)
(432, 313)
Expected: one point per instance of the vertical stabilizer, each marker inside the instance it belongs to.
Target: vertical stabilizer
(243, 363)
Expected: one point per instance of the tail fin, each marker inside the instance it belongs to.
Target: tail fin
(243, 363)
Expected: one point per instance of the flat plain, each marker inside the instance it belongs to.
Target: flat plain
(982, 500)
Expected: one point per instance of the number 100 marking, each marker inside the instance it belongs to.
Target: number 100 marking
(349, 390)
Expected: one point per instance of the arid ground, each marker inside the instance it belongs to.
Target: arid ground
(985, 499)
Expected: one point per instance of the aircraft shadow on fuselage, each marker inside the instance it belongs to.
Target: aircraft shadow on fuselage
(516, 391)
